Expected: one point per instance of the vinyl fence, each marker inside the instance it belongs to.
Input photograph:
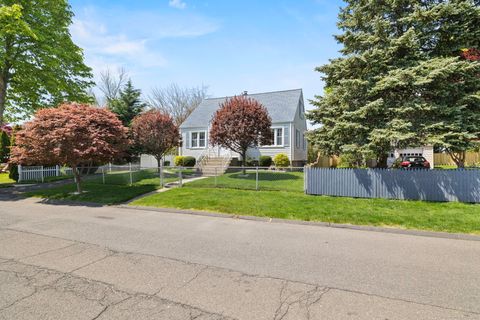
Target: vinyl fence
(429, 185)
(41, 173)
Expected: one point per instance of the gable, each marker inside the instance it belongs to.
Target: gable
(282, 106)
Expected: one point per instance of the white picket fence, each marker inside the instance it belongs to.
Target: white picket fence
(39, 173)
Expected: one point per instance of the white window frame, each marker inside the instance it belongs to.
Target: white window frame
(197, 140)
(275, 130)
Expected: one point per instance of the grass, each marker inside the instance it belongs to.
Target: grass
(268, 180)
(94, 192)
(5, 181)
(117, 188)
(447, 217)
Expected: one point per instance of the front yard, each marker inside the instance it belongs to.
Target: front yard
(448, 217)
(280, 196)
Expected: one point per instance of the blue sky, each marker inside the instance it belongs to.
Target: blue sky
(229, 46)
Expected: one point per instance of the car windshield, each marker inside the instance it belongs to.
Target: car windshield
(414, 159)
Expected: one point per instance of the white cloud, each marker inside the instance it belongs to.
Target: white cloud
(179, 4)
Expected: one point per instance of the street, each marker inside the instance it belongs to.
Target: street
(60, 261)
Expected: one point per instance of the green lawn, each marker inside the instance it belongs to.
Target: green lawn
(94, 192)
(268, 180)
(448, 217)
(116, 189)
(5, 181)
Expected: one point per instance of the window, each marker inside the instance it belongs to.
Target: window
(297, 139)
(277, 137)
(198, 139)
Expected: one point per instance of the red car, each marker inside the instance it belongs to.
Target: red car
(412, 162)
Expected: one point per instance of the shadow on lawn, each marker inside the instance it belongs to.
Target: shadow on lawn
(265, 176)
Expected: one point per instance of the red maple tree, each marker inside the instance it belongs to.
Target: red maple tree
(241, 123)
(155, 133)
(72, 134)
(471, 54)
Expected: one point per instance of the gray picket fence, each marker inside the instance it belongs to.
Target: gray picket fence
(429, 185)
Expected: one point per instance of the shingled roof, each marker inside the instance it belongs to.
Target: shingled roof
(281, 106)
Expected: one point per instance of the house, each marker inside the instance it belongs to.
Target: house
(287, 110)
(424, 151)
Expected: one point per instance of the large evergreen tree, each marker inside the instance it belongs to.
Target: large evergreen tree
(401, 79)
(128, 105)
(39, 63)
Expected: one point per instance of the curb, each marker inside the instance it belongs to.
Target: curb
(410, 232)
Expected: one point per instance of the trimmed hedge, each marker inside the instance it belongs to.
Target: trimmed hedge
(184, 161)
(265, 161)
(281, 160)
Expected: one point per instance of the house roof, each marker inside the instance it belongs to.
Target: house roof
(281, 106)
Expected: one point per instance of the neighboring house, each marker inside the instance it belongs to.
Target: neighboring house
(287, 110)
(426, 152)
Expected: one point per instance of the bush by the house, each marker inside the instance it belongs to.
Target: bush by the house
(281, 160)
(251, 162)
(184, 161)
(166, 163)
(265, 161)
(189, 161)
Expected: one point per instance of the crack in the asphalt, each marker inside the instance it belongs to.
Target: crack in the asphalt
(256, 276)
(54, 285)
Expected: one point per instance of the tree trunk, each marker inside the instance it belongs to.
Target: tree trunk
(77, 176)
(244, 161)
(458, 157)
(382, 161)
(159, 163)
(3, 97)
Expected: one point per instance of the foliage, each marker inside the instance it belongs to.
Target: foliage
(281, 160)
(189, 161)
(155, 133)
(401, 80)
(72, 134)
(265, 161)
(13, 172)
(351, 160)
(176, 101)
(185, 161)
(4, 147)
(128, 105)
(39, 63)
(241, 123)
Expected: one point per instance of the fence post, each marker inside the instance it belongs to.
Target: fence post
(57, 170)
(161, 174)
(43, 173)
(20, 173)
(180, 182)
(103, 175)
(256, 178)
(131, 176)
(110, 167)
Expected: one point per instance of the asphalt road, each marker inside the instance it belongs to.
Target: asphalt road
(79, 262)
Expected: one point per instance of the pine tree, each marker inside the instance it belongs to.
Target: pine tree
(401, 80)
(128, 105)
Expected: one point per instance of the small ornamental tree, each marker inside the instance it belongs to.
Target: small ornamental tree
(71, 135)
(155, 133)
(239, 124)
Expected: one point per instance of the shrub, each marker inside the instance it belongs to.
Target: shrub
(13, 173)
(184, 161)
(281, 160)
(178, 161)
(265, 161)
(166, 163)
(251, 162)
(189, 161)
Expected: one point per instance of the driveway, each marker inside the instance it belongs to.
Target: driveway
(80, 262)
